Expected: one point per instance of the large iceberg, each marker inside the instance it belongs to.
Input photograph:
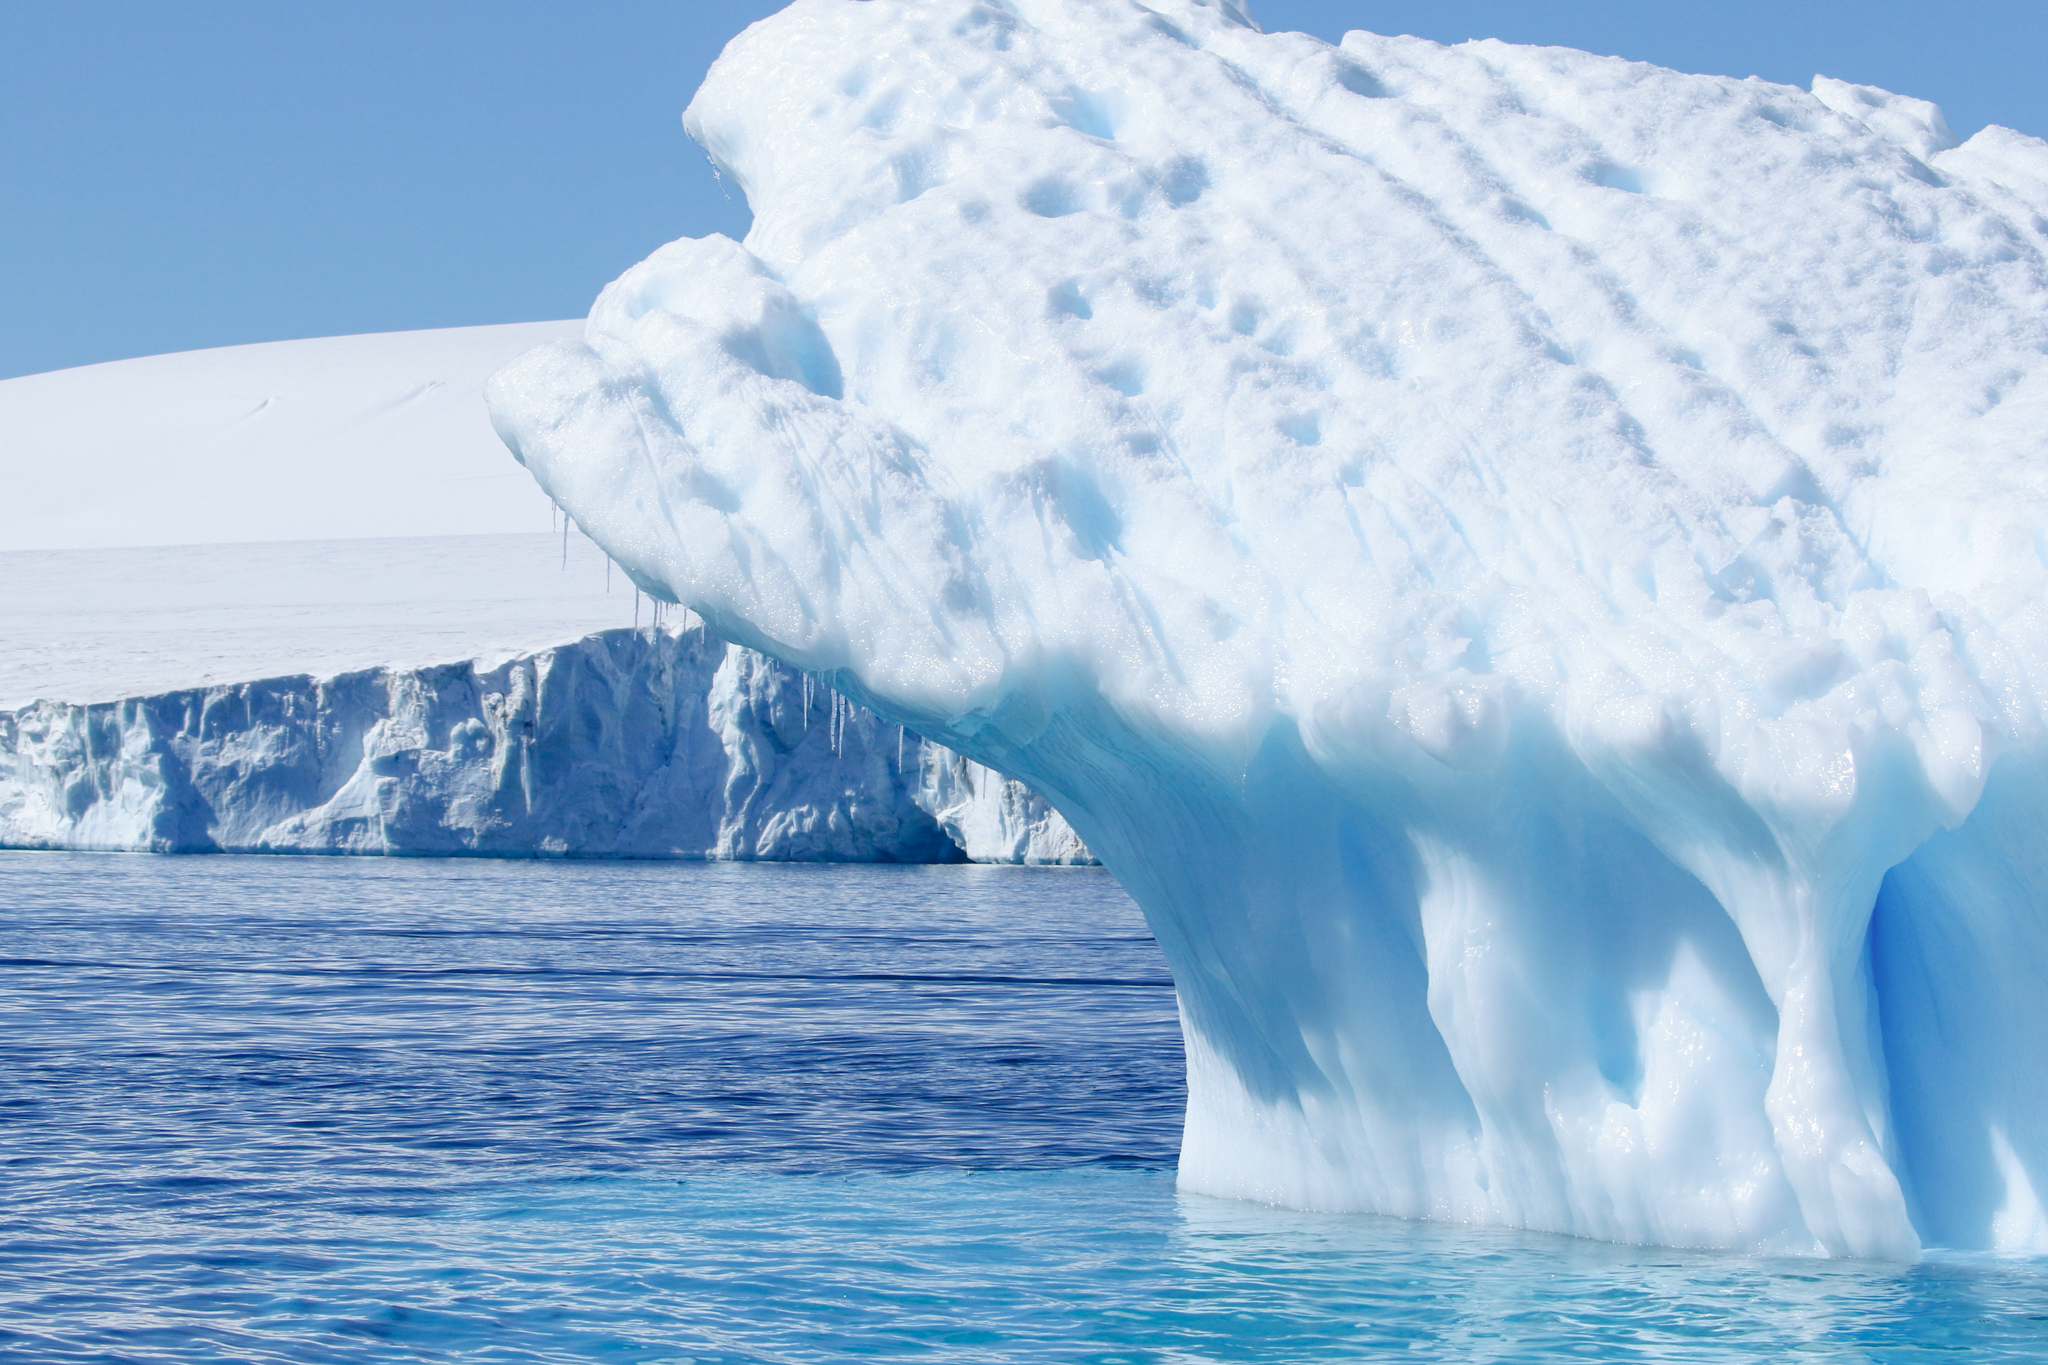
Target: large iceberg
(1528, 566)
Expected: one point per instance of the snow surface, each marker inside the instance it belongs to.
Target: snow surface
(96, 625)
(382, 435)
(294, 507)
(1528, 566)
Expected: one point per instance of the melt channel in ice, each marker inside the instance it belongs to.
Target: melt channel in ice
(1528, 566)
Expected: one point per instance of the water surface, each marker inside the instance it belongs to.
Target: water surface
(304, 1109)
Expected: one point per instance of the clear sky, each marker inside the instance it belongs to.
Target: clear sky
(211, 172)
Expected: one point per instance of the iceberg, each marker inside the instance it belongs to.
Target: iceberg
(1528, 566)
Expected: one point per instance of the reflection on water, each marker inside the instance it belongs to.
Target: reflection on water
(341, 1110)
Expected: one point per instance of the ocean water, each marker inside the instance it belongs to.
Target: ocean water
(286, 1109)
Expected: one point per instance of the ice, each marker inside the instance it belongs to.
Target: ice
(991, 818)
(302, 680)
(658, 743)
(1527, 565)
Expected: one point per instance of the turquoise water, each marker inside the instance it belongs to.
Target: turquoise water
(261, 1109)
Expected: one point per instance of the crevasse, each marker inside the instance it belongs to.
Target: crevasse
(1527, 566)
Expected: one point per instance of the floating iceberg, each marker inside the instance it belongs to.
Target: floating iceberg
(1528, 566)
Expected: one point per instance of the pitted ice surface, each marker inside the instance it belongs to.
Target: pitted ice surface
(1527, 565)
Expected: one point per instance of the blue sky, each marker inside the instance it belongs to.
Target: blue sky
(222, 171)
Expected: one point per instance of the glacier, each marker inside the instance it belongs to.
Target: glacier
(1528, 566)
(410, 664)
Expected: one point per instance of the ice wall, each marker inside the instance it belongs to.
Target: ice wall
(1528, 566)
(644, 744)
(991, 817)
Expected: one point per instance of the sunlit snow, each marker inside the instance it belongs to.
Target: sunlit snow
(1528, 566)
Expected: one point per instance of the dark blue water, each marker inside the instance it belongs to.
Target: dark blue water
(260, 1109)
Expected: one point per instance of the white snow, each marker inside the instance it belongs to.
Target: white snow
(1528, 566)
(337, 437)
(95, 625)
(991, 818)
(254, 511)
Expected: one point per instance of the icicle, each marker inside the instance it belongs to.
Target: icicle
(607, 573)
(807, 703)
(899, 750)
(636, 606)
(565, 540)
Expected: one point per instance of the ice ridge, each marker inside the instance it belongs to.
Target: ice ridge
(1528, 566)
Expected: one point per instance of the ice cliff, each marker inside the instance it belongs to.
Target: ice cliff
(655, 743)
(1528, 566)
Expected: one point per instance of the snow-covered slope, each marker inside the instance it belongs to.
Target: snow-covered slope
(337, 437)
(95, 625)
(299, 506)
(1528, 566)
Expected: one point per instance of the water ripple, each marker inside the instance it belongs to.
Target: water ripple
(367, 1110)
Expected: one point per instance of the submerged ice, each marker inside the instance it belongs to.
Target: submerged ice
(1528, 566)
